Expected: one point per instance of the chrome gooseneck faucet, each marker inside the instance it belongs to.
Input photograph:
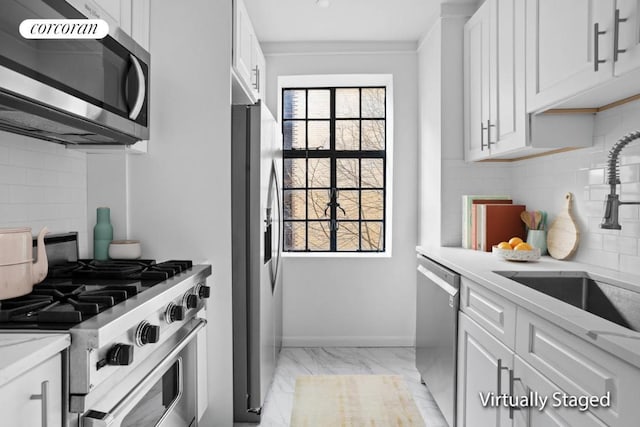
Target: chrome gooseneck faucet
(610, 219)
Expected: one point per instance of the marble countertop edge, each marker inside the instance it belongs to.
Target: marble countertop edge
(21, 351)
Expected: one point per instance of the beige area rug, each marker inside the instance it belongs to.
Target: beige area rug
(353, 401)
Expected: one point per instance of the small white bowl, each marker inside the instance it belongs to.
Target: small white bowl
(511, 255)
(125, 249)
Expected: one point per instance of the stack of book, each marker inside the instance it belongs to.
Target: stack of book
(488, 220)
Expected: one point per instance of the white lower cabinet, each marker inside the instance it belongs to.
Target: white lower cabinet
(483, 367)
(546, 361)
(34, 398)
(529, 382)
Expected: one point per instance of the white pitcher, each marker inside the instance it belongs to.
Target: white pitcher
(18, 272)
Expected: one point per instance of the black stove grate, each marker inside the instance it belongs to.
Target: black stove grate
(53, 305)
(76, 291)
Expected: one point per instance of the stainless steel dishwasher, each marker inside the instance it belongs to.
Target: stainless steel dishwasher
(436, 332)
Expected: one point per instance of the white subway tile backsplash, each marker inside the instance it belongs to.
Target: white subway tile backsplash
(594, 241)
(42, 184)
(628, 212)
(4, 155)
(630, 264)
(541, 182)
(12, 175)
(629, 173)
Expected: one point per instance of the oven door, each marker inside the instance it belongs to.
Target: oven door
(166, 397)
(77, 84)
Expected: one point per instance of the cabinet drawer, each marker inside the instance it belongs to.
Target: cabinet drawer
(579, 368)
(490, 310)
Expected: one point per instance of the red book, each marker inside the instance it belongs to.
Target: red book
(499, 223)
(474, 216)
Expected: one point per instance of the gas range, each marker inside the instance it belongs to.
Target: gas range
(129, 321)
(76, 291)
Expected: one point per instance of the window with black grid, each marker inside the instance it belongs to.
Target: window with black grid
(334, 149)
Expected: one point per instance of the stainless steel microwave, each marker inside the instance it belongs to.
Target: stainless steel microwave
(71, 91)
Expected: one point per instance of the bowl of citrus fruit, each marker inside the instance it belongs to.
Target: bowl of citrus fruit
(516, 250)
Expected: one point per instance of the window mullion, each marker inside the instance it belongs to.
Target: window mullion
(334, 179)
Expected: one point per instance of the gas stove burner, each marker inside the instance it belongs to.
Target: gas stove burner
(75, 291)
(62, 304)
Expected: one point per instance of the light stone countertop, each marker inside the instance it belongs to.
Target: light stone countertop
(21, 351)
(480, 267)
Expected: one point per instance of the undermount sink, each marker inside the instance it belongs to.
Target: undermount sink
(582, 290)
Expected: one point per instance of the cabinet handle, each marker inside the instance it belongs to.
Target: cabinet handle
(256, 71)
(500, 369)
(512, 380)
(44, 397)
(616, 36)
(596, 47)
(482, 144)
(489, 126)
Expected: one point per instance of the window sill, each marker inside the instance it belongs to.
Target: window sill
(355, 255)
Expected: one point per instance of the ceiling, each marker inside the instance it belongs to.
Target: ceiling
(343, 20)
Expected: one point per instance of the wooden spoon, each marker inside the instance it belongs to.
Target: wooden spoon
(526, 218)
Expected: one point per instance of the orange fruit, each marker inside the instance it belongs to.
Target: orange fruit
(504, 245)
(515, 241)
(523, 247)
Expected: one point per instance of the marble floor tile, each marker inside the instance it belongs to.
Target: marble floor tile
(344, 361)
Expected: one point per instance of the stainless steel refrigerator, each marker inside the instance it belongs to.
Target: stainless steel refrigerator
(256, 278)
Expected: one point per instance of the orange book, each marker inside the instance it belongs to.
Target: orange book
(498, 223)
(474, 216)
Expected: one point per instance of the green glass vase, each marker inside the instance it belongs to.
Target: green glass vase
(102, 234)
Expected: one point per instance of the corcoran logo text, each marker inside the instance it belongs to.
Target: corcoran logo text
(64, 29)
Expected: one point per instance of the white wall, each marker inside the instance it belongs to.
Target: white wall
(357, 301)
(43, 184)
(180, 191)
(541, 183)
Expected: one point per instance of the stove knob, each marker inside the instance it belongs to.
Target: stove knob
(191, 301)
(120, 354)
(175, 313)
(204, 291)
(147, 333)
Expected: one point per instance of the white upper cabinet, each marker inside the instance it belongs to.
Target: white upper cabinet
(477, 82)
(248, 60)
(578, 49)
(496, 121)
(627, 29)
(132, 16)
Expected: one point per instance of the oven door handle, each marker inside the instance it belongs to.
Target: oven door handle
(115, 417)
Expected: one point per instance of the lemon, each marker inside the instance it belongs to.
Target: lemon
(504, 245)
(515, 241)
(523, 247)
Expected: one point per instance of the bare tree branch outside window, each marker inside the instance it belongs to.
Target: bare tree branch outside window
(334, 169)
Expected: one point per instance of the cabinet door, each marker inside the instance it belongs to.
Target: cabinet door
(140, 14)
(477, 83)
(508, 116)
(628, 36)
(531, 381)
(483, 364)
(119, 11)
(19, 409)
(243, 48)
(561, 44)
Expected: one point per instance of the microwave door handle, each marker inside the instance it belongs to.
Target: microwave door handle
(142, 88)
